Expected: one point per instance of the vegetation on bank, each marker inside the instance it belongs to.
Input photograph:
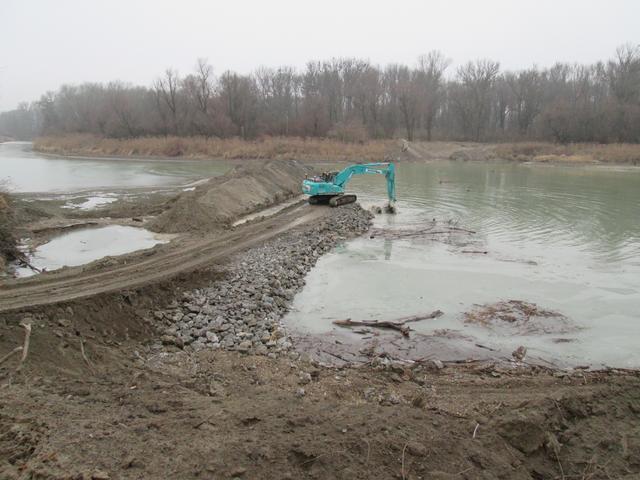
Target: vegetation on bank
(8, 244)
(615, 153)
(277, 148)
(317, 149)
(351, 99)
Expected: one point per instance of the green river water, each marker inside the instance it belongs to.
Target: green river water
(565, 238)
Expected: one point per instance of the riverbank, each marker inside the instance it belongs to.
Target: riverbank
(271, 148)
(108, 376)
(328, 150)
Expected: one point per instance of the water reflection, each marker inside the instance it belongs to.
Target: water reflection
(388, 246)
(567, 238)
(28, 171)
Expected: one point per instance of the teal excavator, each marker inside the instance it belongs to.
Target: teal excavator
(329, 187)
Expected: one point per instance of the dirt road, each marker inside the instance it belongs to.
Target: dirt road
(139, 269)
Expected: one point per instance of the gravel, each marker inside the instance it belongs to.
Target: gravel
(243, 312)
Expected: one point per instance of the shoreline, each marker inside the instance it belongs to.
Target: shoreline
(375, 150)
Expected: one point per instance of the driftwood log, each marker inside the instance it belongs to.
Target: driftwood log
(432, 230)
(10, 354)
(399, 324)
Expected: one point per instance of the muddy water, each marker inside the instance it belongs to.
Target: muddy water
(28, 171)
(566, 238)
(89, 244)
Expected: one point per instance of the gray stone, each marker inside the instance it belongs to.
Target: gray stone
(212, 337)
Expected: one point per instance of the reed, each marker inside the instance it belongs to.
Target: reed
(278, 148)
(615, 153)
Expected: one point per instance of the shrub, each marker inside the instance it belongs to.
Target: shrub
(8, 245)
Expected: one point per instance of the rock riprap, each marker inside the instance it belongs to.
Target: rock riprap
(243, 311)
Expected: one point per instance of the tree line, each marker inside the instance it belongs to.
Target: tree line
(352, 100)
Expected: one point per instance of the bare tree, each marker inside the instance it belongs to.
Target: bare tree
(476, 81)
(526, 89)
(431, 68)
(166, 90)
(407, 92)
(240, 99)
(351, 98)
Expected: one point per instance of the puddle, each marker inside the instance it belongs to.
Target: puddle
(268, 212)
(89, 244)
(92, 202)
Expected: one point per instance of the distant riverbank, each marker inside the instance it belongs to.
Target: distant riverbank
(314, 149)
(276, 148)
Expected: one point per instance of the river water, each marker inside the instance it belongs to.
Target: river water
(565, 238)
(89, 244)
(27, 171)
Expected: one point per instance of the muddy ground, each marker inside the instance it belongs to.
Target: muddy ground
(101, 393)
(128, 409)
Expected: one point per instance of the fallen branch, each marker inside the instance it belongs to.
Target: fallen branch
(402, 471)
(462, 230)
(84, 356)
(399, 324)
(423, 231)
(10, 354)
(339, 357)
(23, 262)
(25, 346)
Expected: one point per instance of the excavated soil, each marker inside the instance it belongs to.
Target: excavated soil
(220, 200)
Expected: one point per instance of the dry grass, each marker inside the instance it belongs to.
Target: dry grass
(616, 153)
(278, 148)
(324, 149)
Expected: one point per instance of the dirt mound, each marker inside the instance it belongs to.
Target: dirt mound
(219, 201)
(574, 434)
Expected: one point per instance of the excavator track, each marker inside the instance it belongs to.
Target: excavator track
(342, 200)
(320, 199)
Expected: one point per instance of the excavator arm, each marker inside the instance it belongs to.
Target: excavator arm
(386, 169)
(330, 187)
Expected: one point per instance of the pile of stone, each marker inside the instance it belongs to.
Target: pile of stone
(243, 312)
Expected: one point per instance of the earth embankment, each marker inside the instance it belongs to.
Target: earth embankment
(215, 203)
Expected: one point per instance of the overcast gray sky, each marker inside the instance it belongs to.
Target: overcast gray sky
(45, 43)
